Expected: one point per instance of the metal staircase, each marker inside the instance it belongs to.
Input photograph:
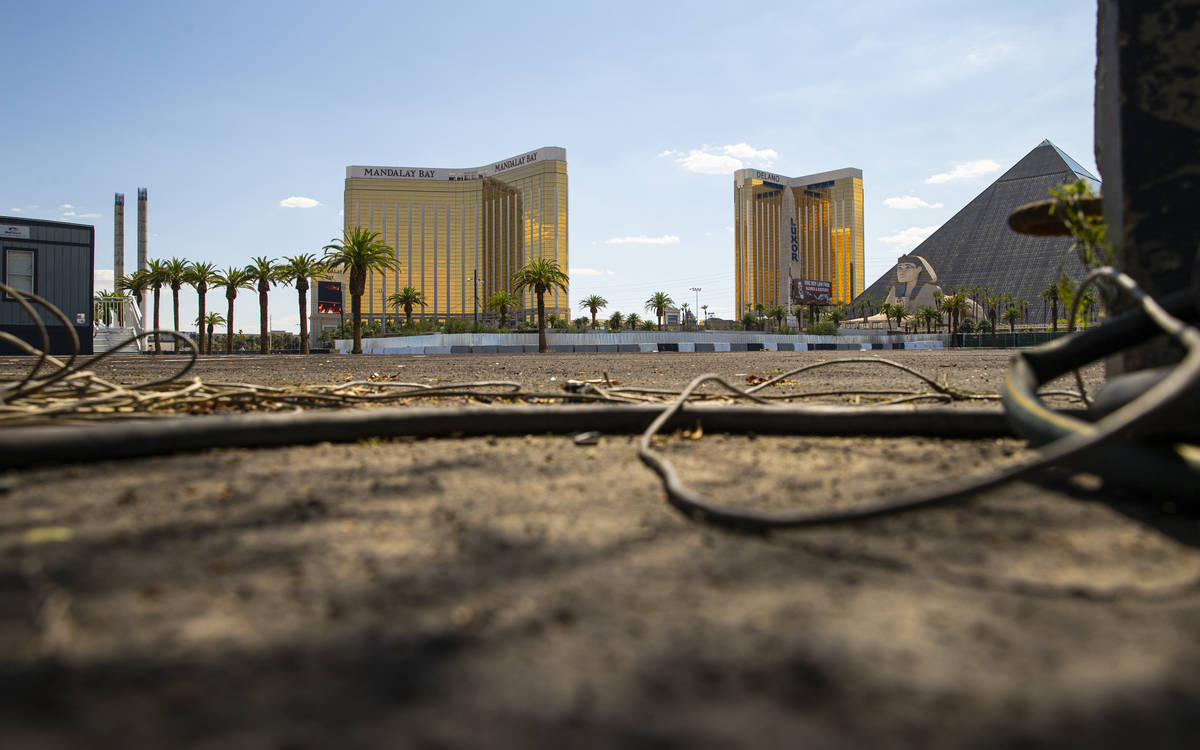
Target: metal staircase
(115, 319)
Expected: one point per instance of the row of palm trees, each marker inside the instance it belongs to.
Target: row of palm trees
(357, 253)
(261, 273)
(657, 303)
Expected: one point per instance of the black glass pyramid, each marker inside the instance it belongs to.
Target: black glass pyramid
(976, 247)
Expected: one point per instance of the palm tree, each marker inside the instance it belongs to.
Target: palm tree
(136, 283)
(928, 314)
(887, 308)
(778, 312)
(299, 269)
(265, 272)
(684, 309)
(174, 276)
(1011, 316)
(615, 320)
(659, 302)
(632, 321)
(955, 305)
(1087, 304)
(156, 271)
(209, 321)
(233, 279)
(406, 298)
(540, 275)
(199, 276)
(837, 315)
(502, 301)
(1049, 297)
(357, 253)
(647, 325)
(704, 322)
(593, 304)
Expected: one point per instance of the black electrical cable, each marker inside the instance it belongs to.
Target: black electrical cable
(26, 446)
(1070, 440)
(19, 296)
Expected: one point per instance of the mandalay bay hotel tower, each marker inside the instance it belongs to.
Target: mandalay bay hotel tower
(459, 234)
(797, 233)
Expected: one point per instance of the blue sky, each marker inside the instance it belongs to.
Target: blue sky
(226, 110)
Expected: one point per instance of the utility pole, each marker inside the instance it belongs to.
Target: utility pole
(696, 289)
(475, 281)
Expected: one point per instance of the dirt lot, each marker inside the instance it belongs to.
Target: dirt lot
(528, 591)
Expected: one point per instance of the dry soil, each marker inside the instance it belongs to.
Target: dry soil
(529, 591)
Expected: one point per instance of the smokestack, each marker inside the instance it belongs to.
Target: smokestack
(118, 237)
(141, 250)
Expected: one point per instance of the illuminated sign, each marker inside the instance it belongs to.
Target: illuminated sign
(329, 297)
(812, 292)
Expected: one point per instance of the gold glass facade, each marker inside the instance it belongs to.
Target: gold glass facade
(785, 228)
(459, 234)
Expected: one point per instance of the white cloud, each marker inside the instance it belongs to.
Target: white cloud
(89, 216)
(907, 239)
(666, 239)
(68, 213)
(298, 201)
(590, 272)
(15, 210)
(965, 170)
(102, 278)
(722, 159)
(66, 206)
(909, 201)
(746, 151)
(286, 323)
(985, 56)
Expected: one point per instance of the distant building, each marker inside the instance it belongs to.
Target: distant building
(459, 234)
(789, 230)
(54, 260)
(976, 247)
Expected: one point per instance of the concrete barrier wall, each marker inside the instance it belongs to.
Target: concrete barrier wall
(639, 341)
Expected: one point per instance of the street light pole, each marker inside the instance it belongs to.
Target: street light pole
(696, 289)
(475, 281)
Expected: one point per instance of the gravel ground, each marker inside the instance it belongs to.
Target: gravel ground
(528, 591)
(980, 371)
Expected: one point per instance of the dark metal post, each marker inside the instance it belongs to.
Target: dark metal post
(1147, 122)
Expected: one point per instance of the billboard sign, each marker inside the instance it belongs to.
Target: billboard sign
(329, 297)
(812, 292)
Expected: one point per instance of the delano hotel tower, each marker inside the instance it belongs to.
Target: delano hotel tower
(793, 229)
(459, 233)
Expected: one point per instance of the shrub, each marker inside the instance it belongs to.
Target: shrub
(823, 328)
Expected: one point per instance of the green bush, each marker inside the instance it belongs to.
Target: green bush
(823, 328)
